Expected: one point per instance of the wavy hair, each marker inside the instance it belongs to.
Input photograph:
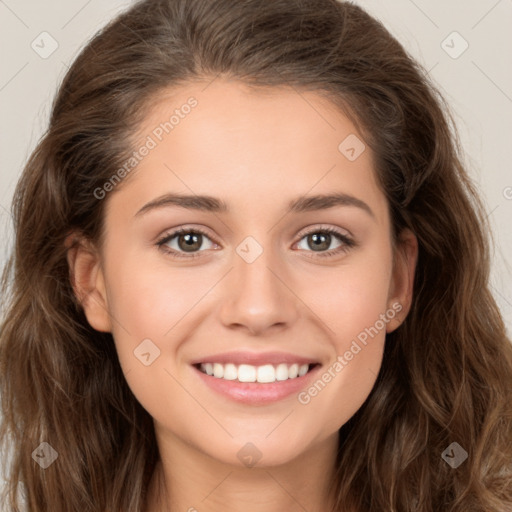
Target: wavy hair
(447, 370)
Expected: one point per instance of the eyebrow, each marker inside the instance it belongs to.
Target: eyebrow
(213, 204)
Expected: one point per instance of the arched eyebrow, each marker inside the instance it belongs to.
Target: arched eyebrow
(216, 205)
(325, 201)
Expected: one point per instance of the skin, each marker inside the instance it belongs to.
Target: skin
(256, 150)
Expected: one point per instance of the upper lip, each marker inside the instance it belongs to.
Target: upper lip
(255, 359)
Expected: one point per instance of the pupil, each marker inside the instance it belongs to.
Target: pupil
(192, 241)
(320, 241)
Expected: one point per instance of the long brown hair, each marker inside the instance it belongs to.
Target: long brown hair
(447, 371)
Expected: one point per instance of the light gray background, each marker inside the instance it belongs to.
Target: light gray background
(477, 84)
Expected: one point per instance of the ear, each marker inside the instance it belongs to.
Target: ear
(88, 282)
(401, 288)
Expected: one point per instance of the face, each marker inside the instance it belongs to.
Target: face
(269, 276)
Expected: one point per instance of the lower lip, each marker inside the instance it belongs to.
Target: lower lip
(256, 393)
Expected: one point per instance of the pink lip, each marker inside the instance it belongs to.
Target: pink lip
(255, 359)
(256, 393)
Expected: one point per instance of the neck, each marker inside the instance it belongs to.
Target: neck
(202, 484)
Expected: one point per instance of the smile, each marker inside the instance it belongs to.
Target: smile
(265, 374)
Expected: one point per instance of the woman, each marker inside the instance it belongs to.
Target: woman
(250, 272)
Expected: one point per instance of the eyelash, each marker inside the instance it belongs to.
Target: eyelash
(347, 242)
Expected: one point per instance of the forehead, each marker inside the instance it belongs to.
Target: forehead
(229, 140)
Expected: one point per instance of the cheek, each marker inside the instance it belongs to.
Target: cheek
(150, 306)
(342, 387)
(357, 336)
(352, 304)
(150, 299)
(351, 298)
(163, 304)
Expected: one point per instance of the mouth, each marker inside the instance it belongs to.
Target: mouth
(254, 378)
(263, 374)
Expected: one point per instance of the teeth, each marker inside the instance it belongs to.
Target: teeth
(303, 369)
(293, 371)
(266, 373)
(249, 373)
(218, 370)
(282, 372)
(230, 372)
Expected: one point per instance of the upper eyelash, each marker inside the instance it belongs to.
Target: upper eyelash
(169, 236)
(347, 242)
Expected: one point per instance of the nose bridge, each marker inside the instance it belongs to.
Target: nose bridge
(254, 280)
(255, 296)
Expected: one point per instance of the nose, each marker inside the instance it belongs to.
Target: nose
(257, 296)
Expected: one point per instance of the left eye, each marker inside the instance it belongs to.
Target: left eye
(321, 240)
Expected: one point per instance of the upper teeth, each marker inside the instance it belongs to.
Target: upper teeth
(249, 373)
